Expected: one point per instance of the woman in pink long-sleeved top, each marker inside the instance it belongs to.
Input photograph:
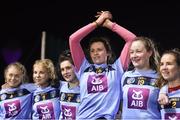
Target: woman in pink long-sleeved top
(100, 79)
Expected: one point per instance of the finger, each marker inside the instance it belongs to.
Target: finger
(96, 16)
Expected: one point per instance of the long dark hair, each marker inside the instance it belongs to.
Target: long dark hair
(106, 43)
(65, 55)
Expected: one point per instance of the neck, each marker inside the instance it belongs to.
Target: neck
(174, 83)
(143, 68)
(44, 85)
(73, 83)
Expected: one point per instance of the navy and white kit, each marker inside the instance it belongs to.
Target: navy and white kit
(172, 110)
(46, 104)
(69, 101)
(140, 95)
(16, 103)
(97, 82)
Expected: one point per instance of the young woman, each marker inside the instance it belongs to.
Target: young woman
(69, 90)
(15, 97)
(46, 104)
(100, 77)
(138, 85)
(170, 79)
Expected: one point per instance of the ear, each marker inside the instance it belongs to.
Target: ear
(150, 53)
(108, 54)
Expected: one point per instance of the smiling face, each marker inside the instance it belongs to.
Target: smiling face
(13, 77)
(67, 71)
(40, 75)
(139, 55)
(169, 68)
(98, 53)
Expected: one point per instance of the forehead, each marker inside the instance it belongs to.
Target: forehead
(97, 45)
(13, 69)
(137, 45)
(168, 57)
(39, 67)
(65, 63)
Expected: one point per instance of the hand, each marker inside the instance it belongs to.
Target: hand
(4, 86)
(106, 14)
(163, 99)
(102, 17)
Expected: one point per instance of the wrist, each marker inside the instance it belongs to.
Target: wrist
(96, 23)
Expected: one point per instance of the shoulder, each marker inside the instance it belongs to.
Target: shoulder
(29, 86)
(128, 73)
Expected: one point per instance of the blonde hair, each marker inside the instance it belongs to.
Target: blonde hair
(20, 68)
(48, 64)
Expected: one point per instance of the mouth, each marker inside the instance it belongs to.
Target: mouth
(67, 76)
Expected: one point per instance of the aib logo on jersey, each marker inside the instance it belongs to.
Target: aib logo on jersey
(172, 116)
(137, 98)
(68, 112)
(97, 83)
(12, 108)
(45, 111)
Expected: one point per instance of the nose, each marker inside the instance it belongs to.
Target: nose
(164, 66)
(64, 71)
(132, 55)
(38, 74)
(13, 77)
(95, 52)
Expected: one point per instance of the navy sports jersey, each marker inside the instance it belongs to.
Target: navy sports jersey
(70, 100)
(172, 110)
(16, 103)
(46, 104)
(140, 95)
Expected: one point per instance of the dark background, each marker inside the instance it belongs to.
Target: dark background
(22, 23)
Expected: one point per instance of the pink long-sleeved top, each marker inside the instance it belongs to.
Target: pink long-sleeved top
(100, 93)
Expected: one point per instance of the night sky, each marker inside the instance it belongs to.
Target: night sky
(22, 22)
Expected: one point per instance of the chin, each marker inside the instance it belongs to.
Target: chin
(68, 80)
(98, 63)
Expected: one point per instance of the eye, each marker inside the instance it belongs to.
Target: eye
(161, 64)
(68, 68)
(131, 52)
(62, 69)
(91, 50)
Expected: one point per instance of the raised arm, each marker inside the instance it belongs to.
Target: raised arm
(75, 39)
(75, 46)
(126, 35)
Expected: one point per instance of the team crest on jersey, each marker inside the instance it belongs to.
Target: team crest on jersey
(53, 94)
(37, 98)
(78, 99)
(3, 96)
(153, 84)
(137, 98)
(20, 93)
(63, 96)
(130, 80)
(12, 108)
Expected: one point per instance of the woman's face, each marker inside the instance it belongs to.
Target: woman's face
(98, 53)
(40, 75)
(169, 68)
(67, 71)
(139, 55)
(13, 77)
